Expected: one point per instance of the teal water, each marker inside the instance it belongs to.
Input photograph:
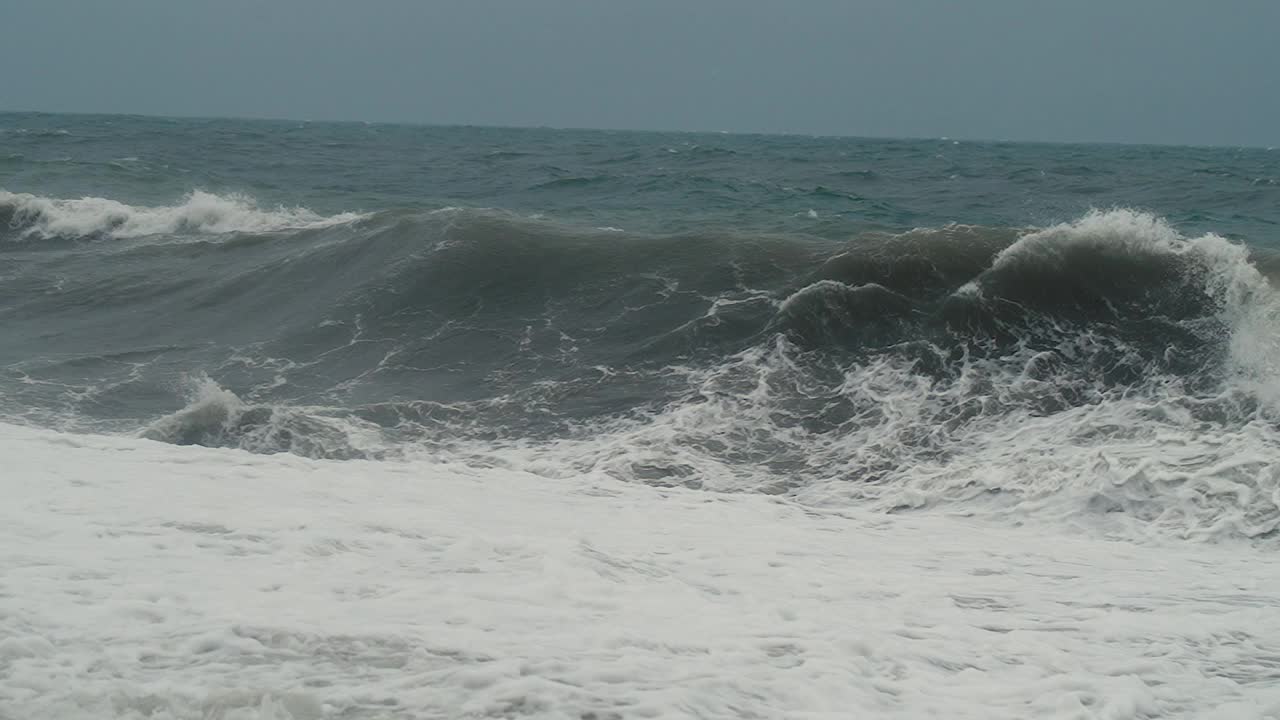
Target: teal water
(640, 181)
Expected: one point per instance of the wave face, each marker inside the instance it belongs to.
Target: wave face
(1115, 371)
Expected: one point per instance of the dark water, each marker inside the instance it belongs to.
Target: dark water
(737, 312)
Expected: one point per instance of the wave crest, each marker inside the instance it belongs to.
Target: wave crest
(199, 212)
(217, 417)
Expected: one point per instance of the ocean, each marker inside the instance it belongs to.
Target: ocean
(310, 420)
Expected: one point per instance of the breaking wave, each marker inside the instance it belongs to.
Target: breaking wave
(216, 417)
(1108, 372)
(32, 216)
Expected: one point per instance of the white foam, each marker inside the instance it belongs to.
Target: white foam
(42, 132)
(199, 212)
(209, 405)
(143, 580)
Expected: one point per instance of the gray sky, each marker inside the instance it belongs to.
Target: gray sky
(1165, 71)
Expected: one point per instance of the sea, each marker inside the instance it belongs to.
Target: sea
(315, 419)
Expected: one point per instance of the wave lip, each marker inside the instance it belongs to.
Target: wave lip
(199, 212)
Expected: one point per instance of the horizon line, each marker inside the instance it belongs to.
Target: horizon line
(568, 128)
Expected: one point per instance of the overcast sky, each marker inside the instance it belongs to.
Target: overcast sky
(1161, 71)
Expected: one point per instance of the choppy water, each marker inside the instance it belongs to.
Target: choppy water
(1054, 332)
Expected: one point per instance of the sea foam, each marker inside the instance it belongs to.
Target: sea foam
(146, 581)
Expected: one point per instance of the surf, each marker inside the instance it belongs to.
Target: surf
(1107, 372)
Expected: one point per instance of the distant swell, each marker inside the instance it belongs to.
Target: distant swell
(31, 216)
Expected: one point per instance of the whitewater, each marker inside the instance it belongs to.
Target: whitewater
(147, 581)
(311, 421)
